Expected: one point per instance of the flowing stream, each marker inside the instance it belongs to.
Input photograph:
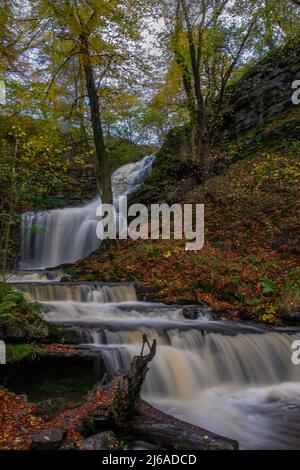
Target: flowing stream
(234, 378)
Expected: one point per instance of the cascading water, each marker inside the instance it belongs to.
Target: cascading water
(54, 237)
(78, 292)
(233, 378)
(35, 276)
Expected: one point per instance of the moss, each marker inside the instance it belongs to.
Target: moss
(122, 151)
(18, 312)
(23, 351)
(57, 386)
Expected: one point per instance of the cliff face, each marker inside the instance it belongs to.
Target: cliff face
(263, 91)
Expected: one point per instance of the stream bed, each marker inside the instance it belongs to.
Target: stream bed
(233, 378)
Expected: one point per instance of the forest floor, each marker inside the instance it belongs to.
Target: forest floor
(250, 260)
(20, 421)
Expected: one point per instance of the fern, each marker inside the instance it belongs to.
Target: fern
(6, 307)
(7, 316)
(14, 296)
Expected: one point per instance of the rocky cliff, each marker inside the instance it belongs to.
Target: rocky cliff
(265, 89)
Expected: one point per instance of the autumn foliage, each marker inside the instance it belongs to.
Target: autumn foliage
(250, 261)
(19, 421)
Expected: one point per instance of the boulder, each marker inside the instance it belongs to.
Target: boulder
(50, 439)
(102, 441)
(51, 407)
(191, 312)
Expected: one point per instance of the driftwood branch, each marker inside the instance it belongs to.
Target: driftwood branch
(167, 432)
(137, 374)
(129, 385)
(119, 408)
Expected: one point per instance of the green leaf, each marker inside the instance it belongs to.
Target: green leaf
(267, 286)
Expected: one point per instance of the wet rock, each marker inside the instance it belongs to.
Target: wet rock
(49, 439)
(102, 441)
(97, 420)
(292, 318)
(146, 293)
(191, 312)
(263, 91)
(72, 353)
(25, 331)
(50, 408)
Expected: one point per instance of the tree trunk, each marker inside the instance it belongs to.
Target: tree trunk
(5, 243)
(103, 173)
(168, 432)
(130, 385)
(268, 22)
(202, 133)
(137, 374)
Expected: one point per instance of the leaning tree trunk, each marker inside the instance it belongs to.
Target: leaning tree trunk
(202, 133)
(118, 406)
(103, 173)
(202, 138)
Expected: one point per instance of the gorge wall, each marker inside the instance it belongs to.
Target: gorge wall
(265, 89)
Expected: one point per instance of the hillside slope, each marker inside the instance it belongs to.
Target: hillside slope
(250, 261)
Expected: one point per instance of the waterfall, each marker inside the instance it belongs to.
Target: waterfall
(242, 385)
(234, 378)
(35, 276)
(59, 236)
(193, 360)
(78, 292)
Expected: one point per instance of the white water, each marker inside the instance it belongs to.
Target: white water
(35, 276)
(78, 292)
(243, 386)
(59, 236)
(234, 379)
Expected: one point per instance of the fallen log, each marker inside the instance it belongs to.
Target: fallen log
(167, 432)
(117, 407)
